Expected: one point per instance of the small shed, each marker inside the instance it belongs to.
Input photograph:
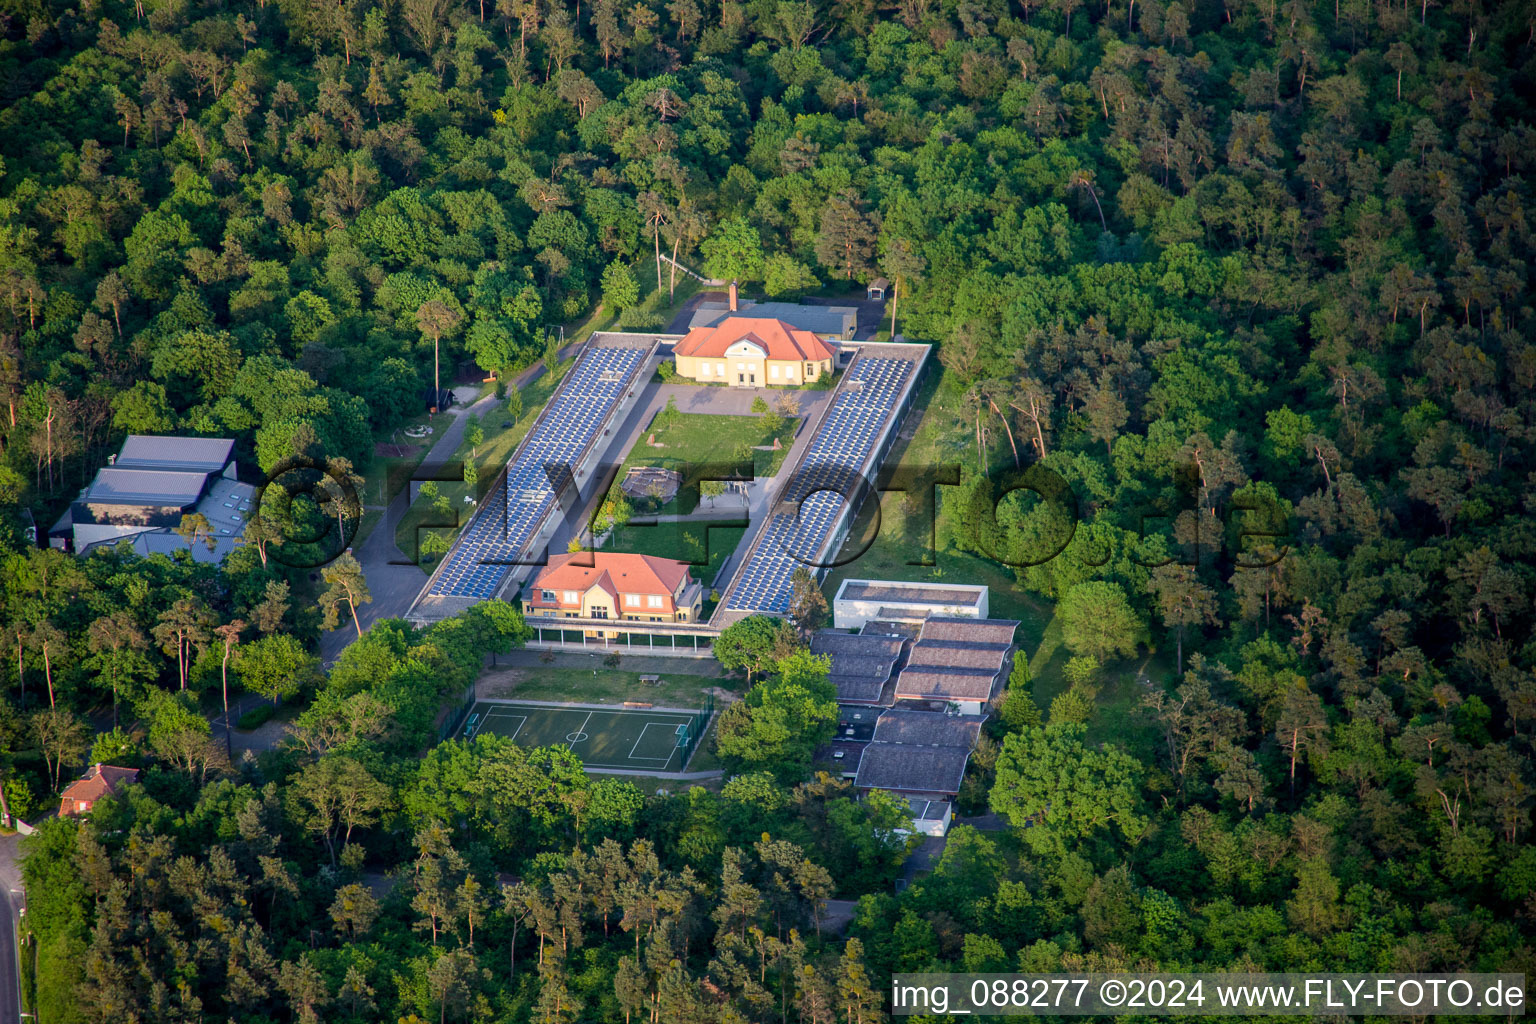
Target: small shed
(877, 288)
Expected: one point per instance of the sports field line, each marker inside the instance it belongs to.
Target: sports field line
(634, 757)
(522, 720)
(582, 728)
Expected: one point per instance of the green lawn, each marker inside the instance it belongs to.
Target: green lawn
(600, 685)
(693, 439)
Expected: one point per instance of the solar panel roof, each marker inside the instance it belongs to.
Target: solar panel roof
(502, 528)
(848, 435)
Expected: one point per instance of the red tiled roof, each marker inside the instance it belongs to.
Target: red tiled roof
(616, 572)
(775, 337)
(99, 781)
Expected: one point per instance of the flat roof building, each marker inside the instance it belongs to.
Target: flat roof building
(859, 601)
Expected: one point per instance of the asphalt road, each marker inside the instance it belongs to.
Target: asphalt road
(10, 964)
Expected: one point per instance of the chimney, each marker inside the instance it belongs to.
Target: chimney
(733, 296)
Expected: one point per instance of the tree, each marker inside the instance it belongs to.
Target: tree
(1097, 620)
(780, 722)
(354, 910)
(62, 738)
(194, 526)
(1301, 726)
(807, 604)
(846, 240)
(118, 645)
(261, 535)
(337, 794)
(1018, 708)
(733, 251)
(1049, 779)
(345, 583)
(786, 277)
(276, 666)
(179, 734)
(50, 642)
(305, 988)
(1182, 601)
(620, 290)
(904, 265)
(748, 645)
(229, 636)
(437, 319)
(1195, 725)
(182, 630)
(450, 979)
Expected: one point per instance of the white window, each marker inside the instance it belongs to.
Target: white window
(789, 371)
(741, 366)
(632, 600)
(704, 369)
(773, 371)
(654, 601)
(547, 595)
(571, 597)
(720, 369)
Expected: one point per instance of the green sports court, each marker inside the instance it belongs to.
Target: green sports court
(636, 740)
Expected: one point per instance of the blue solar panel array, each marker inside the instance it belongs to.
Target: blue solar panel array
(852, 428)
(508, 518)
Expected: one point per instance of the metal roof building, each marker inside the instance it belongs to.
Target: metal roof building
(146, 488)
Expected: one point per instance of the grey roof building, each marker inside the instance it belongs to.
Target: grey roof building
(144, 490)
(957, 660)
(918, 752)
(862, 664)
(827, 321)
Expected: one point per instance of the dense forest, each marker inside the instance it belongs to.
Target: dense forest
(1252, 277)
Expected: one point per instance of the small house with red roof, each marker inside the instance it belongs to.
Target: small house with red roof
(745, 351)
(100, 780)
(614, 585)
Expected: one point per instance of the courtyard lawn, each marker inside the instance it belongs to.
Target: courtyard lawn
(687, 541)
(693, 439)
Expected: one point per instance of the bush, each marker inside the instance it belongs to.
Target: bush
(639, 318)
(256, 717)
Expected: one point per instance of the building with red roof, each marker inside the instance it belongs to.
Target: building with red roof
(614, 585)
(100, 780)
(746, 351)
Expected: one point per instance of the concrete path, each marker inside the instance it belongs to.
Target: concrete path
(837, 915)
(679, 776)
(258, 740)
(642, 664)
